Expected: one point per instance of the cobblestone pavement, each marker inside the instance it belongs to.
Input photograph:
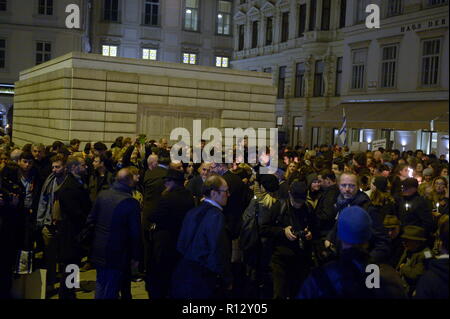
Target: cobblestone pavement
(88, 278)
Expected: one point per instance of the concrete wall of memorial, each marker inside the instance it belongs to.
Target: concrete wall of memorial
(96, 98)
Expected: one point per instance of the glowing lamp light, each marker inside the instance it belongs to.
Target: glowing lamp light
(403, 143)
(369, 140)
(219, 16)
(410, 172)
(188, 11)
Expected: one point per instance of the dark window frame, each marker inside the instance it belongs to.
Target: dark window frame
(302, 12)
(111, 10)
(269, 31)
(241, 38)
(319, 89)
(150, 6)
(255, 33)
(285, 27)
(45, 7)
(300, 79)
(326, 15)
(281, 82)
(44, 53)
(312, 15)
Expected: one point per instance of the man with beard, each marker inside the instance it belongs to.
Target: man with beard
(46, 217)
(196, 183)
(75, 205)
(351, 195)
(167, 219)
(41, 161)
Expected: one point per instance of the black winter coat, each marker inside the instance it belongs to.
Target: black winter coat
(273, 227)
(168, 218)
(380, 242)
(117, 234)
(235, 205)
(75, 206)
(415, 210)
(153, 187)
(326, 209)
(434, 282)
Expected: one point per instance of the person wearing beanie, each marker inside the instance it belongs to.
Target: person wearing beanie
(346, 277)
(427, 181)
(350, 195)
(413, 209)
(292, 230)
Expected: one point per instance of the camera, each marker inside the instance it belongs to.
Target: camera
(301, 237)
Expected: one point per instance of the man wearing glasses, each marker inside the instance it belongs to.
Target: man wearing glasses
(205, 247)
(351, 195)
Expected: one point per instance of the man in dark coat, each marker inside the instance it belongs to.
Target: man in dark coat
(167, 219)
(325, 209)
(350, 195)
(205, 247)
(414, 209)
(75, 205)
(196, 183)
(42, 160)
(292, 230)
(153, 187)
(434, 282)
(235, 205)
(117, 245)
(101, 178)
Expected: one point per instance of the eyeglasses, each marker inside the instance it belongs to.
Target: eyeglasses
(222, 190)
(348, 185)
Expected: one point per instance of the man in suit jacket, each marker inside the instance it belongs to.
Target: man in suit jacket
(204, 246)
(168, 217)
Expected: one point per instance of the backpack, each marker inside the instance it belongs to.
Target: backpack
(253, 246)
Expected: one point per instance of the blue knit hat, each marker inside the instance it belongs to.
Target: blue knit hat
(354, 225)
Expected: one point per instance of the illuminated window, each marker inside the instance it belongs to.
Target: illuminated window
(224, 17)
(109, 50)
(222, 62)
(191, 15)
(189, 58)
(149, 54)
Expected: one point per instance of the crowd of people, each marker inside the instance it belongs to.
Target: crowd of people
(217, 230)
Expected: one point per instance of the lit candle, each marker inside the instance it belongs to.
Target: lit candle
(437, 206)
(407, 206)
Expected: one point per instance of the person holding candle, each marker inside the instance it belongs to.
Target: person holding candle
(414, 209)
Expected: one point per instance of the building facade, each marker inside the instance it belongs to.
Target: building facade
(324, 59)
(182, 31)
(32, 32)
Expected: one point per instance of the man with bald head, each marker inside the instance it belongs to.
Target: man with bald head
(351, 195)
(117, 243)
